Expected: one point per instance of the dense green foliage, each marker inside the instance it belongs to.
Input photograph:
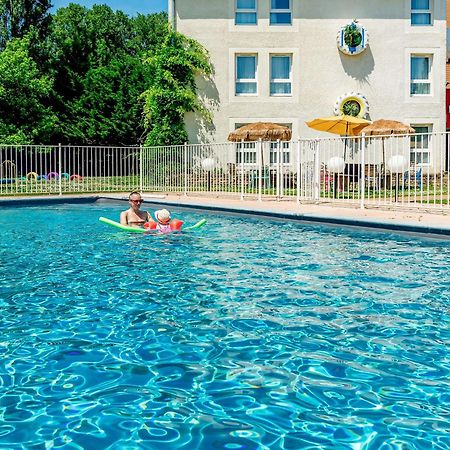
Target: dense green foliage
(19, 17)
(94, 76)
(25, 116)
(172, 93)
(97, 63)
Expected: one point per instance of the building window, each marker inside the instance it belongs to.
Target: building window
(420, 75)
(280, 75)
(245, 12)
(246, 75)
(421, 12)
(280, 12)
(246, 152)
(285, 150)
(420, 145)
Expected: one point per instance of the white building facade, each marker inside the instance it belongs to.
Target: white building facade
(285, 61)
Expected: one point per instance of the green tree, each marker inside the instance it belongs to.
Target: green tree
(99, 75)
(173, 68)
(25, 115)
(78, 41)
(149, 32)
(96, 57)
(18, 17)
(108, 110)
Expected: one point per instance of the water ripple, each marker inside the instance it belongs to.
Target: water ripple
(249, 334)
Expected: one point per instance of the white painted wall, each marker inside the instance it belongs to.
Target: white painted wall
(321, 73)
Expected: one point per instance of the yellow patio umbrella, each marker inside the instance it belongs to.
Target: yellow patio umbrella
(343, 125)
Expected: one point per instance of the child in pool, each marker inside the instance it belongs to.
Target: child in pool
(164, 223)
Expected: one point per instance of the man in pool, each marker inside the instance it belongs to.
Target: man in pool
(134, 216)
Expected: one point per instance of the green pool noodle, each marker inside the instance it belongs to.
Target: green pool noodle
(118, 225)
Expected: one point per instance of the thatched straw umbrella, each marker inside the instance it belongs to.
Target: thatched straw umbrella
(384, 128)
(265, 131)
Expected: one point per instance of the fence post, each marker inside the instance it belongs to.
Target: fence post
(298, 169)
(242, 169)
(60, 168)
(362, 171)
(316, 184)
(141, 169)
(185, 159)
(278, 177)
(261, 168)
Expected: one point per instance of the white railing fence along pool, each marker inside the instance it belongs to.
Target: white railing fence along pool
(67, 169)
(381, 171)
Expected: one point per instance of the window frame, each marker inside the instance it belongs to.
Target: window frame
(285, 151)
(415, 150)
(422, 11)
(280, 80)
(269, 155)
(280, 11)
(248, 151)
(428, 80)
(245, 80)
(245, 10)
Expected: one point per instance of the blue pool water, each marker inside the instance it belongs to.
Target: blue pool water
(248, 334)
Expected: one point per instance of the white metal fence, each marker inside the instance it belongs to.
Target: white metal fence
(382, 171)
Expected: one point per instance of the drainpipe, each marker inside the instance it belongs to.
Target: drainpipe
(172, 10)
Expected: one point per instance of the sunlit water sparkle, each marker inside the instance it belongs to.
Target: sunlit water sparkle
(247, 334)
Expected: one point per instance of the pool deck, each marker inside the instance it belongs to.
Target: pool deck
(396, 220)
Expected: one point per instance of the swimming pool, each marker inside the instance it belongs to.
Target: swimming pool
(248, 334)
